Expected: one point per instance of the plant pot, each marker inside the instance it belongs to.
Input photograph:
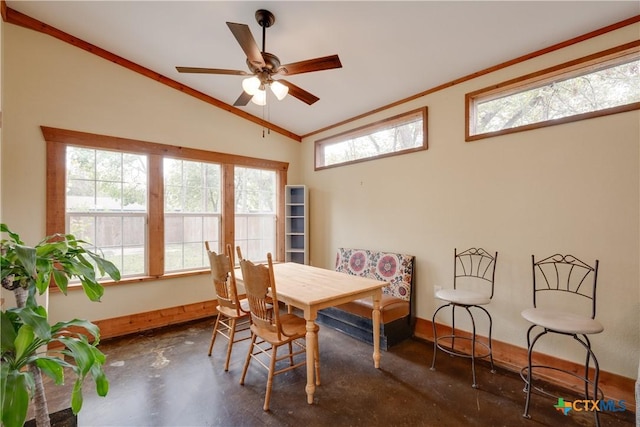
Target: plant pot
(63, 418)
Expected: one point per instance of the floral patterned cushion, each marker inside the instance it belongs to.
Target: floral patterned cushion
(397, 269)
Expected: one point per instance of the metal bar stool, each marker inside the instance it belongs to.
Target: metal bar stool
(564, 303)
(473, 284)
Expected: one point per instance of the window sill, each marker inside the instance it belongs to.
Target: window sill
(131, 280)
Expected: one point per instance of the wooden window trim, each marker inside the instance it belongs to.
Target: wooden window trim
(523, 83)
(370, 129)
(58, 139)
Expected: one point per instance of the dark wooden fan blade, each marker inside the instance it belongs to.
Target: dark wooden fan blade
(210, 71)
(317, 64)
(242, 33)
(298, 92)
(243, 99)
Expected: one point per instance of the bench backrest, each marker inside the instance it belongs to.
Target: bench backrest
(397, 269)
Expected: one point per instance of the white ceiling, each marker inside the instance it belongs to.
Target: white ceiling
(389, 50)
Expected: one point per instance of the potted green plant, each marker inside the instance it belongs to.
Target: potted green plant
(26, 335)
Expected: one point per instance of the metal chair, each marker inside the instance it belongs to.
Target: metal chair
(473, 284)
(564, 302)
(271, 329)
(233, 313)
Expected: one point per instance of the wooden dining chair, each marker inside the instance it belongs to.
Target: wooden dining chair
(233, 313)
(271, 329)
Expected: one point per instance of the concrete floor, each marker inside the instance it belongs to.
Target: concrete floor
(165, 378)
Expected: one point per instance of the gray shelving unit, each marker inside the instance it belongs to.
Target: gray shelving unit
(296, 228)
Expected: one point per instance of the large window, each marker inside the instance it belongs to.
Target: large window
(601, 84)
(402, 134)
(150, 207)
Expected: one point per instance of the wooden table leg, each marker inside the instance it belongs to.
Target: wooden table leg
(312, 344)
(376, 329)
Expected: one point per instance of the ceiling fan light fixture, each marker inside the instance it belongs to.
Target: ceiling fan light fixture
(251, 85)
(279, 90)
(260, 97)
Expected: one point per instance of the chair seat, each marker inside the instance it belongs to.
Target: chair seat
(463, 297)
(230, 312)
(562, 321)
(293, 327)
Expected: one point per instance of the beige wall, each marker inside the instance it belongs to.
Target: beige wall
(48, 82)
(572, 188)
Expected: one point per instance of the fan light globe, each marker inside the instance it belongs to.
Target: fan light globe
(260, 97)
(279, 90)
(251, 85)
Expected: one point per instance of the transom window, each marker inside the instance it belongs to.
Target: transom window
(601, 84)
(402, 134)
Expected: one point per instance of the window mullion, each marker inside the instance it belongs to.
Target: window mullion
(228, 206)
(156, 216)
(56, 187)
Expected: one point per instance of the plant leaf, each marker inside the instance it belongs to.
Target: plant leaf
(15, 398)
(7, 334)
(92, 289)
(27, 257)
(76, 396)
(53, 367)
(43, 273)
(24, 341)
(5, 229)
(61, 280)
(37, 320)
(102, 383)
(80, 351)
(90, 327)
(49, 246)
(106, 266)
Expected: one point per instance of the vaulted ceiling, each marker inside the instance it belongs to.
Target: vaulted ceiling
(389, 50)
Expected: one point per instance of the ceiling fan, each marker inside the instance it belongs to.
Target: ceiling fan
(264, 66)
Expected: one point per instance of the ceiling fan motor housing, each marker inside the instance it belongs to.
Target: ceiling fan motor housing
(272, 64)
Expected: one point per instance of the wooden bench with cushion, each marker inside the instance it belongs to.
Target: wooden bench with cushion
(354, 318)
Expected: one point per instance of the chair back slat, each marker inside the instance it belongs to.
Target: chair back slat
(472, 264)
(565, 274)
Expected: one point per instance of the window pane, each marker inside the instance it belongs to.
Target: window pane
(255, 190)
(109, 166)
(81, 163)
(82, 227)
(81, 195)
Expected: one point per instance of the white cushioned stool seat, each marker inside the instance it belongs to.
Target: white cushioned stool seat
(463, 297)
(562, 321)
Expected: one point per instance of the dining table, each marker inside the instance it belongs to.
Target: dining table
(310, 289)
